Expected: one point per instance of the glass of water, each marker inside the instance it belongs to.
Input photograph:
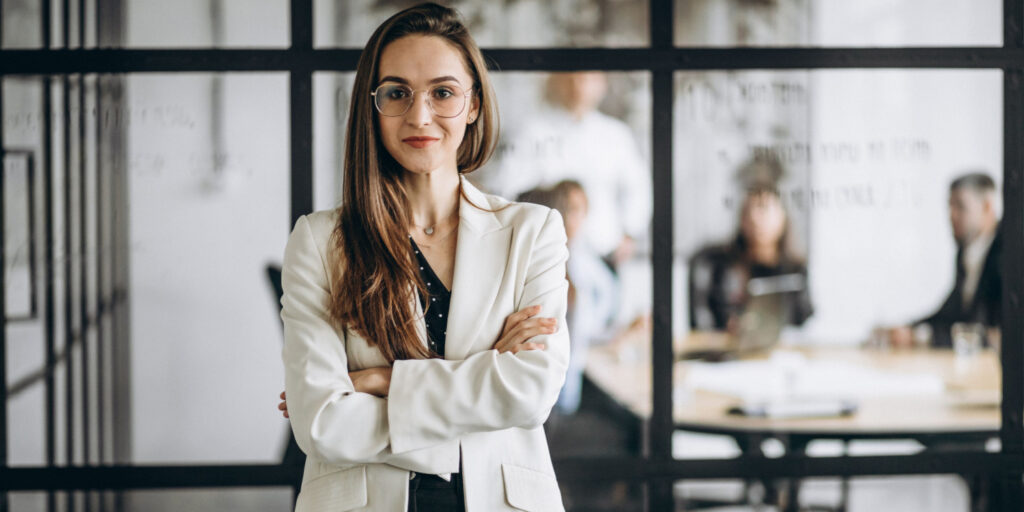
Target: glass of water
(967, 338)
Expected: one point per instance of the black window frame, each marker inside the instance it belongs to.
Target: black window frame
(656, 468)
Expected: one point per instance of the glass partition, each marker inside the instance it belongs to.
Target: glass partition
(870, 23)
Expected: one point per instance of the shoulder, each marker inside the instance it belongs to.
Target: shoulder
(608, 123)
(319, 223)
(313, 231)
(522, 217)
(322, 221)
(715, 254)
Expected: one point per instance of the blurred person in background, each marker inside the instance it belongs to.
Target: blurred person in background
(977, 294)
(720, 276)
(593, 288)
(573, 140)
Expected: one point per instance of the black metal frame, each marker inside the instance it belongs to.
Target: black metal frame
(657, 469)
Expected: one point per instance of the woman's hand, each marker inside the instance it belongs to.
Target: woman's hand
(519, 327)
(375, 381)
(283, 406)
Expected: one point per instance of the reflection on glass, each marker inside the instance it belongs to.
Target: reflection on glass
(838, 23)
(509, 23)
(207, 158)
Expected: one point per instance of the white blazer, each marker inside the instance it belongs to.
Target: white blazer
(486, 406)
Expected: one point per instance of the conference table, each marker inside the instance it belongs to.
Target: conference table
(947, 399)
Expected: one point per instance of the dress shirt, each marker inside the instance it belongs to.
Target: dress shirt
(974, 261)
(598, 151)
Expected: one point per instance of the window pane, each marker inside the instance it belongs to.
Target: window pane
(813, 221)
(838, 23)
(508, 23)
(332, 94)
(940, 493)
(209, 209)
(268, 499)
(207, 23)
(20, 24)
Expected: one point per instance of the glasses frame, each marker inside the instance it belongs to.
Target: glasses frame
(430, 104)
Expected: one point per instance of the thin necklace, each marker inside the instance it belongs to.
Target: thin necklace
(434, 243)
(429, 230)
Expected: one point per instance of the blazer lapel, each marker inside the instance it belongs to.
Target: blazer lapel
(481, 253)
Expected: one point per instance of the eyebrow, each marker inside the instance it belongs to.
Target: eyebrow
(446, 78)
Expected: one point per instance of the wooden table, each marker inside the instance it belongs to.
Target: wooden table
(965, 413)
(970, 403)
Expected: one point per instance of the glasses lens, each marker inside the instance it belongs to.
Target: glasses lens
(447, 100)
(393, 100)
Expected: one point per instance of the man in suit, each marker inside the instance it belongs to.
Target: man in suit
(978, 290)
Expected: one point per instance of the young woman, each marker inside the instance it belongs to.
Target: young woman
(423, 341)
(720, 276)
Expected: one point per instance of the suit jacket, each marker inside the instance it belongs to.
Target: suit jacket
(485, 407)
(985, 307)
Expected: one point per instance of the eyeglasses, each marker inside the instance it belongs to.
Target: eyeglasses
(393, 100)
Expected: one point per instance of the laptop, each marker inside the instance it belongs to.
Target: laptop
(760, 325)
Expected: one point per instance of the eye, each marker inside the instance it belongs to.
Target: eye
(443, 93)
(396, 92)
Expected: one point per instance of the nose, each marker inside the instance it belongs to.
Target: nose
(419, 112)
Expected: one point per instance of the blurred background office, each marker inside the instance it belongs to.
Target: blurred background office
(147, 332)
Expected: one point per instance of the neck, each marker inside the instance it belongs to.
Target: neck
(578, 112)
(433, 198)
(766, 254)
(989, 229)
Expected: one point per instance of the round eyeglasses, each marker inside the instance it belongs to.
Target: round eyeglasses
(393, 100)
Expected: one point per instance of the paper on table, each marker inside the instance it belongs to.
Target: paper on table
(792, 375)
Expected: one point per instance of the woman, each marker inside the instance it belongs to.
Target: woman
(593, 287)
(759, 261)
(422, 342)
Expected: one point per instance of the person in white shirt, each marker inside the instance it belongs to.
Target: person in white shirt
(977, 293)
(575, 141)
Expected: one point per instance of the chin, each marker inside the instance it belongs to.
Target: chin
(421, 169)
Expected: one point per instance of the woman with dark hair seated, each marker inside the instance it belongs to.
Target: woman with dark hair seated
(759, 261)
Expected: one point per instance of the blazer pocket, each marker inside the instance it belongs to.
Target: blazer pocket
(530, 490)
(344, 489)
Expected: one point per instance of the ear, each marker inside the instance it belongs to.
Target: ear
(474, 109)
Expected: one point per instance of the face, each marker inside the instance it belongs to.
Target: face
(583, 91)
(576, 214)
(764, 219)
(968, 212)
(419, 140)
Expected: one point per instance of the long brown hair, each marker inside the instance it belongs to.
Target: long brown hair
(788, 254)
(375, 276)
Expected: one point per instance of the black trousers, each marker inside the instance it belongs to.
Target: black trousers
(431, 493)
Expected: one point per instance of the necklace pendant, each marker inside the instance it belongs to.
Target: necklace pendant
(429, 231)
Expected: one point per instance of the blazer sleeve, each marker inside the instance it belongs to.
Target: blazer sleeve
(330, 420)
(433, 400)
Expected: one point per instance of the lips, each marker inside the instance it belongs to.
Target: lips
(419, 142)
